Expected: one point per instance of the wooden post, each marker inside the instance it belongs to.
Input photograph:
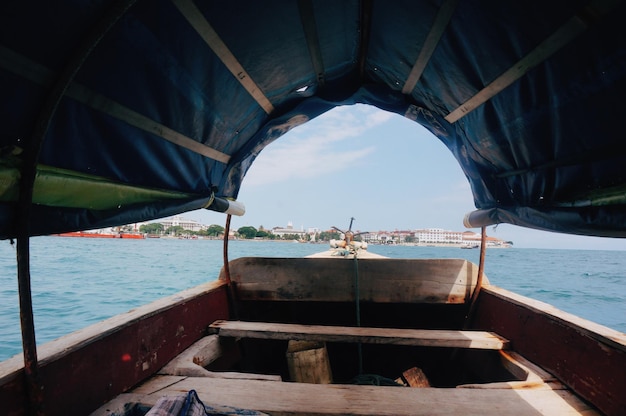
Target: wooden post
(479, 278)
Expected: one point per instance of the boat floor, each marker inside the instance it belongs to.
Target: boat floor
(286, 398)
(537, 394)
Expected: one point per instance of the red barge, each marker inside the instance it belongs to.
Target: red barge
(103, 235)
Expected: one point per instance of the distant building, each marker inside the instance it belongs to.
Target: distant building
(438, 236)
(380, 237)
(185, 223)
(281, 232)
(434, 236)
(472, 238)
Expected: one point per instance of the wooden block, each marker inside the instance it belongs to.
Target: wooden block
(415, 377)
(308, 362)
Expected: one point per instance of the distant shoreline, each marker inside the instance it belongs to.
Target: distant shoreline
(451, 245)
(169, 237)
(443, 245)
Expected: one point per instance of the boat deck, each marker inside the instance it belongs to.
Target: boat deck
(537, 392)
(284, 398)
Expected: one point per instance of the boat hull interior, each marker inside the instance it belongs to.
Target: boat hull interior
(237, 336)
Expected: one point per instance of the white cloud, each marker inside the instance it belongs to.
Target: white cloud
(311, 150)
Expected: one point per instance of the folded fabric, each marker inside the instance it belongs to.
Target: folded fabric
(191, 405)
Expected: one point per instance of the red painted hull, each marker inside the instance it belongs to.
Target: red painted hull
(109, 358)
(98, 363)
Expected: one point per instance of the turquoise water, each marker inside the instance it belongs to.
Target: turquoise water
(78, 281)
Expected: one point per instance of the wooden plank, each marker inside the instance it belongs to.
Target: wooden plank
(117, 353)
(331, 399)
(192, 361)
(119, 405)
(196, 19)
(552, 44)
(587, 357)
(309, 26)
(428, 48)
(200, 354)
(414, 337)
(524, 369)
(447, 281)
(59, 348)
(157, 384)
(39, 74)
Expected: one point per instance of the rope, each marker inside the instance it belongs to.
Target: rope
(357, 301)
(374, 380)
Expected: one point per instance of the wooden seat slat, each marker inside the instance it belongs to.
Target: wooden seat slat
(414, 337)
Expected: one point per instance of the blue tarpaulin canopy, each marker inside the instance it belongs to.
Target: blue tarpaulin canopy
(115, 112)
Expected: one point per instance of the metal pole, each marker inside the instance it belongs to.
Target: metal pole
(232, 296)
(34, 388)
(226, 233)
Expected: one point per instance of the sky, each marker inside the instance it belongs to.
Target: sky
(385, 171)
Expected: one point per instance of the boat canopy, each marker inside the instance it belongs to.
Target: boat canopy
(115, 112)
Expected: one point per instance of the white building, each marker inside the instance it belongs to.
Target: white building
(185, 223)
(438, 236)
(380, 237)
(281, 232)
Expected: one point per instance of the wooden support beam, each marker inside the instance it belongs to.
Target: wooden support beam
(39, 74)
(414, 337)
(207, 33)
(552, 44)
(428, 48)
(307, 16)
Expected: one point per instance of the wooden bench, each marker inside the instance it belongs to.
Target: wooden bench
(414, 337)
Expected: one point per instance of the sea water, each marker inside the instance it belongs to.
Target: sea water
(80, 281)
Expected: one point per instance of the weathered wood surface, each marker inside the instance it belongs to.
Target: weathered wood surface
(280, 398)
(587, 357)
(192, 361)
(308, 362)
(414, 337)
(90, 366)
(414, 377)
(380, 280)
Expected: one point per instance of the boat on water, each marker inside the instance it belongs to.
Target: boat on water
(119, 112)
